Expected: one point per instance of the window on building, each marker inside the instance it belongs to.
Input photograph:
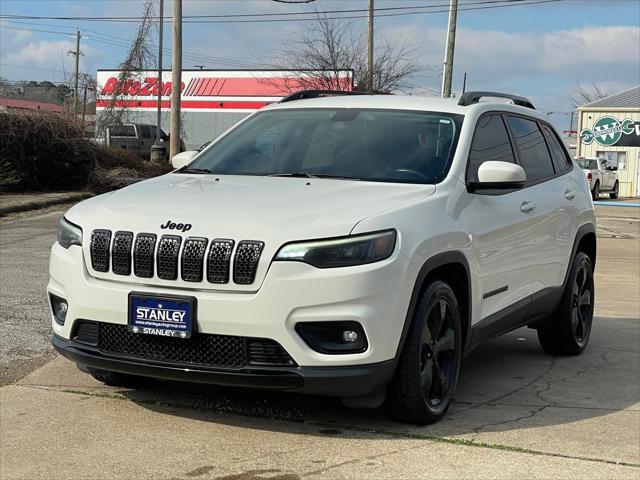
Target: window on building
(533, 152)
(490, 142)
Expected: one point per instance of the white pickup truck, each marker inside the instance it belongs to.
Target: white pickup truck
(601, 176)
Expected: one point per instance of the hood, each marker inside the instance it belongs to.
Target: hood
(274, 210)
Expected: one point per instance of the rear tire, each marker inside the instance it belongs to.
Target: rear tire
(569, 331)
(595, 193)
(429, 365)
(616, 189)
(117, 379)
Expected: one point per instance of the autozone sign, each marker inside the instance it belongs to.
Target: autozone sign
(203, 89)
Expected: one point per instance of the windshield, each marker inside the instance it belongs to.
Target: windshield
(363, 144)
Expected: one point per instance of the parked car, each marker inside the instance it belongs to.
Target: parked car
(350, 245)
(601, 176)
(137, 138)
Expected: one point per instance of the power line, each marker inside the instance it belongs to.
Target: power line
(263, 17)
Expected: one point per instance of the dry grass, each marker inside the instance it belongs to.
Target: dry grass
(41, 151)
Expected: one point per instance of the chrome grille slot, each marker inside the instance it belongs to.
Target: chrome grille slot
(167, 257)
(246, 260)
(99, 249)
(219, 260)
(143, 254)
(193, 258)
(121, 254)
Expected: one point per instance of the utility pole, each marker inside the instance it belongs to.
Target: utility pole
(451, 43)
(176, 79)
(571, 122)
(159, 112)
(77, 74)
(370, 50)
(84, 102)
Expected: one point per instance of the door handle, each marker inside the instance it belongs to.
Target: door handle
(570, 194)
(527, 207)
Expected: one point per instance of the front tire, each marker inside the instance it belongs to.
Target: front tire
(614, 192)
(569, 331)
(429, 365)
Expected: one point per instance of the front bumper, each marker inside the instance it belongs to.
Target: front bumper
(375, 295)
(336, 381)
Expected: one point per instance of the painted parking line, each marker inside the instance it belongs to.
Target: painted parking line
(617, 204)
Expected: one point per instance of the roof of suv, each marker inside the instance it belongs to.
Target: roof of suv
(399, 102)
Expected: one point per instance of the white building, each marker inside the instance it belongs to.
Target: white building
(211, 100)
(610, 128)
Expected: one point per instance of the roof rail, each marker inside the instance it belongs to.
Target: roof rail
(469, 98)
(302, 94)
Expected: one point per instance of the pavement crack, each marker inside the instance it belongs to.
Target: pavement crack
(531, 414)
(491, 401)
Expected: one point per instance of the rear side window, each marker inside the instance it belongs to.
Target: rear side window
(558, 154)
(533, 153)
(145, 131)
(122, 131)
(490, 142)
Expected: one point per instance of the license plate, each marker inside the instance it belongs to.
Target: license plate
(165, 316)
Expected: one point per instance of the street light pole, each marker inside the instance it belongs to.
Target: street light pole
(160, 40)
(450, 49)
(176, 79)
(370, 50)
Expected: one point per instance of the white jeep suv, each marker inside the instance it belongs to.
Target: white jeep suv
(346, 245)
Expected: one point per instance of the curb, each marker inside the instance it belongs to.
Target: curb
(38, 204)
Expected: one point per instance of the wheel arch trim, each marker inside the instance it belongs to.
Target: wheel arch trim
(454, 257)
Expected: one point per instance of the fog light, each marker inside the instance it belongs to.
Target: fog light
(333, 337)
(349, 336)
(59, 308)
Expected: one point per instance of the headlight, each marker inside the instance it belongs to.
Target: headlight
(69, 234)
(341, 252)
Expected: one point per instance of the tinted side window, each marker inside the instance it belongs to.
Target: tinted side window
(593, 165)
(122, 131)
(558, 154)
(534, 155)
(490, 142)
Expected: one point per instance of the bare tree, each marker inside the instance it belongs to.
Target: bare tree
(323, 50)
(582, 95)
(139, 58)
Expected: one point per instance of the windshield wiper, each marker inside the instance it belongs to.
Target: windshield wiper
(203, 171)
(293, 174)
(312, 175)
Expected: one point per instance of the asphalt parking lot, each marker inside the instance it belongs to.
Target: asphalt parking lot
(517, 412)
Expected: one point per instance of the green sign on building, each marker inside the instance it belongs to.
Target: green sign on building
(607, 131)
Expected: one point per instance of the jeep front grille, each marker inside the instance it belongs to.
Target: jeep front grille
(219, 260)
(192, 259)
(246, 261)
(121, 255)
(171, 257)
(143, 255)
(209, 350)
(99, 248)
(168, 249)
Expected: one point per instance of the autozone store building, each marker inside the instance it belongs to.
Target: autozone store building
(211, 100)
(610, 128)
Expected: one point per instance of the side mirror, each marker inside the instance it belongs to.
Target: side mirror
(181, 159)
(495, 175)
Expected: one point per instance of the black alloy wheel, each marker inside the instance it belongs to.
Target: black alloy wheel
(429, 364)
(438, 359)
(582, 304)
(568, 332)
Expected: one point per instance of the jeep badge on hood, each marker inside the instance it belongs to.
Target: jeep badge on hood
(183, 227)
